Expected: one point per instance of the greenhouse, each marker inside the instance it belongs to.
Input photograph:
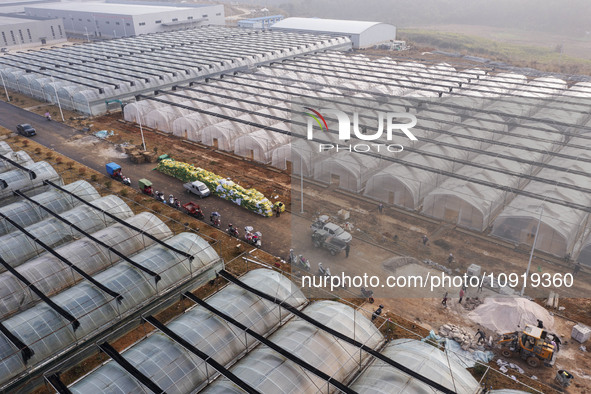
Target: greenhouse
(260, 144)
(561, 223)
(421, 357)
(25, 213)
(47, 330)
(346, 170)
(174, 368)
(18, 247)
(584, 256)
(48, 274)
(270, 372)
(473, 205)
(20, 157)
(26, 182)
(468, 164)
(84, 76)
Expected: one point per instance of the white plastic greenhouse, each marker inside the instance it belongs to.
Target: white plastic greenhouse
(51, 276)
(46, 333)
(269, 372)
(20, 157)
(17, 247)
(86, 76)
(25, 213)
(173, 367)
(421, 357)
(484, 134)
(26, 181)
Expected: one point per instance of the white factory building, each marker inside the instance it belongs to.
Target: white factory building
(109, 20)
(362, 34)
(21, 32)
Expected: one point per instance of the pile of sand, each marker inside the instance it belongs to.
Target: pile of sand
(510, 314)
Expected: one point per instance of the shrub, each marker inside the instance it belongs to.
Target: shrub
(123, 192)
(93, 177)
(70, 164)
(82, 170)
(59, 160)
(108, 184)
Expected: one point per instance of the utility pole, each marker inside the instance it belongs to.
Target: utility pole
(139, 120)
(3, 84)
(57, 98)
(533, 247)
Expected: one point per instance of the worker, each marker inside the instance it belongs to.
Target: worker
(461, 295)
(347, 249)
(481, 336)
(557, 342)
(540, 324)
(425, 239)
(444, 301)
(381, 208)
(576, 269)
(450, 258)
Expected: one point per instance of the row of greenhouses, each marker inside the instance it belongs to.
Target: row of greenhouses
(314, 353)
(494, 148)
(75, 264)
(86, 75)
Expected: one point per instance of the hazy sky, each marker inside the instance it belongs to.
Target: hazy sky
(572, 17)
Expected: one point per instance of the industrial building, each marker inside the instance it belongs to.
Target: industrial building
(362, 34)
(107, 20)
(262, 22)
(17, 31)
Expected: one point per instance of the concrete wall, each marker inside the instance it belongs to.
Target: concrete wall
(107, 25)
(28, 33)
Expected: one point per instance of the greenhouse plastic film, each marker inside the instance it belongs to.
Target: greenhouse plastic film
(16, 248)
(50, 275)
(47, 333)
(21, 180)
(269, 372)
(26, 213)
(174, 368)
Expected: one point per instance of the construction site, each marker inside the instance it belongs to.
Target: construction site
(107, 289)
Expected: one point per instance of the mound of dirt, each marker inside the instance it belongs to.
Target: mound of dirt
(510, 314)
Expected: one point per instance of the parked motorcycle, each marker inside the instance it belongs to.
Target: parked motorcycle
(159, 196)
(233, 231)
(298, 261)
(323, 271)
(252, 237)
(216, 219)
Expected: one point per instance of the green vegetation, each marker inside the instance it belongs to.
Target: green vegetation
(520, 55)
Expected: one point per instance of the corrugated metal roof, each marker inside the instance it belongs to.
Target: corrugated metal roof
(104, 8)
(325, 25)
